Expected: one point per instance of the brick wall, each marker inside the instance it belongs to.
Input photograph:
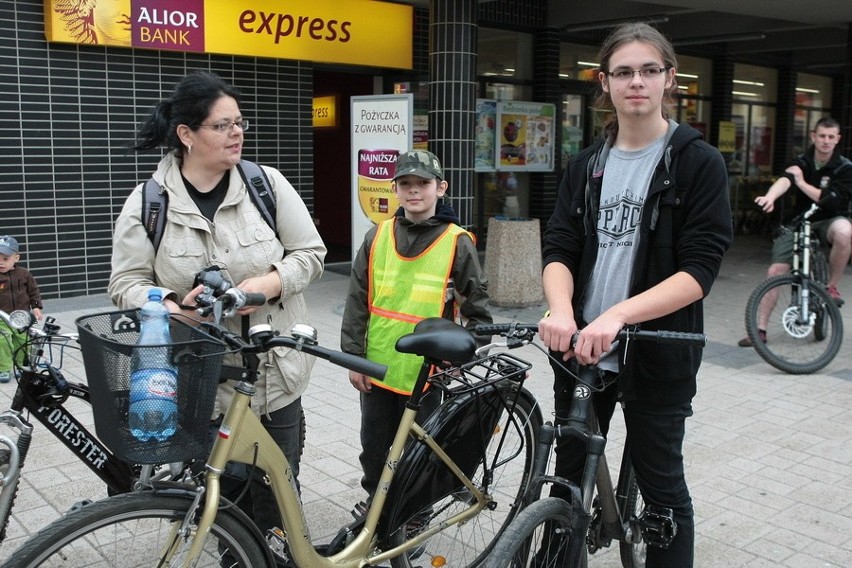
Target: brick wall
(68, 113)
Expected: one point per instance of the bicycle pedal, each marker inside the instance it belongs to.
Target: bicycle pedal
(658, 526)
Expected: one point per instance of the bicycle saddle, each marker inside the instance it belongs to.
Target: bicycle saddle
(438, 339)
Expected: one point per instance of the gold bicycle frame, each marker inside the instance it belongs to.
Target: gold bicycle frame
(242, 438)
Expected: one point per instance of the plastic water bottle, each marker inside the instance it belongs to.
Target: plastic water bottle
(153, 379)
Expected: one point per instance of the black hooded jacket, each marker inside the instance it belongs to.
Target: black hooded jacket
(834, 180)
(686, 226)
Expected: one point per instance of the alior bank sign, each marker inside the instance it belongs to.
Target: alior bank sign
(358, 32)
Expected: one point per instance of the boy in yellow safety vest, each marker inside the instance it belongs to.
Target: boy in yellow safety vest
(418, 264)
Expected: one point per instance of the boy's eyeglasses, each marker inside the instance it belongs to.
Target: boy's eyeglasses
(223, 127)
(645, 73)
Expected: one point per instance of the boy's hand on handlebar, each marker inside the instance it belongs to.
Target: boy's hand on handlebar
(360, 381)
(557, 333)
(595, 340)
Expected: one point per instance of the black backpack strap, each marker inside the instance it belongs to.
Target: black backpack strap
(155, 202)
(260, 190)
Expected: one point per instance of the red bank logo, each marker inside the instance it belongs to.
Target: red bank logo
(169, 24)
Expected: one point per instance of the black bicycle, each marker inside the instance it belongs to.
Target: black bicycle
(42, 392)
(555, 532)
(793, 323)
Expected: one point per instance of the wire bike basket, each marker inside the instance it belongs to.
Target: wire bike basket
(107, 342)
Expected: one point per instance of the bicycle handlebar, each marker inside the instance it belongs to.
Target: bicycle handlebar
(231, 301)
(662, 336)
(302, 338)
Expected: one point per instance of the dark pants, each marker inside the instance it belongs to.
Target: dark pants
(655, 438)
(381, 411)
(258, 502)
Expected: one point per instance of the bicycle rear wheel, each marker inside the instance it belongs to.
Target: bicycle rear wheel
(467, 544)
(795, 344)
(133, 530)
(540, 537)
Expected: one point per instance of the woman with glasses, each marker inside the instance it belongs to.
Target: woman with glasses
(212, 220)
(641, 222)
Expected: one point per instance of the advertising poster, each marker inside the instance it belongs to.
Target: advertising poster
(526, 136)
(382, 127)
(486, 135)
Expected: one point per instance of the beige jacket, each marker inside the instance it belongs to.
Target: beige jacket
(241, 243)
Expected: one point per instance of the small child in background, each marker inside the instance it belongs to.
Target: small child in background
(18, 291)
(423, 248)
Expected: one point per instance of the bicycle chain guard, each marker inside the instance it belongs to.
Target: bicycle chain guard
(658, 526)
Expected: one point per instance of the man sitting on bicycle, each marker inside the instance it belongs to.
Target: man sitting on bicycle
(823, 176)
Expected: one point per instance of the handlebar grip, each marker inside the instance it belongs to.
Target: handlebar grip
(672, 337)
(254, 299)
(497, 328)
(358, 364)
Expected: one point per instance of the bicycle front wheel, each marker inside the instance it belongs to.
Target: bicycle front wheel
(796, 342)
(540, 536)
(504, 473)
(633, 554)
(136, 530)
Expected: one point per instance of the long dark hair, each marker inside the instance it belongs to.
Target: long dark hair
(627, 33)
(189, 104)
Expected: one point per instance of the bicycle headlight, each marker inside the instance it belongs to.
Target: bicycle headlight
(21, 319)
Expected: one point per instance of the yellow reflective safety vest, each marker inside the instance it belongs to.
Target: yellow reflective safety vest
(402, 291)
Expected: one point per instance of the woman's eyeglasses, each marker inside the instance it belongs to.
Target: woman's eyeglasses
(226, 127)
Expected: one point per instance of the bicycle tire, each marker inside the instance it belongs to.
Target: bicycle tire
(529, 539)
(792, 347)
(633, 555)
(130, 530)
(467, 544)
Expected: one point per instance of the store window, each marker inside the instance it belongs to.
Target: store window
(504, 67)
(813, 101)
(578, 62)
(694, 86)
(754, 92)
(504, 54)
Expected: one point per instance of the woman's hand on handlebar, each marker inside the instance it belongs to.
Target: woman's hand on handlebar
(269, 285)
(187, 307)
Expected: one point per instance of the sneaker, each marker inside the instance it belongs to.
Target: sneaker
(835, 294)
(5, 376)
(746, 341)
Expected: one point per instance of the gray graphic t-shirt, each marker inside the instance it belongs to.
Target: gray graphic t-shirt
(626, 178)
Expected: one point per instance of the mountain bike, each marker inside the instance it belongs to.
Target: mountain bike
(555, 532)
(42, 392)
(447, 490)
(802, 323)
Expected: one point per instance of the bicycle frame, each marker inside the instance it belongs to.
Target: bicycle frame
(242, 438)
(115, 473)
(582, 423)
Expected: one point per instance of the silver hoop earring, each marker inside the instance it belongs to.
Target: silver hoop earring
(189, 150)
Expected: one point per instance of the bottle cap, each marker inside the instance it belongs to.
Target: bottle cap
(155, 294)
